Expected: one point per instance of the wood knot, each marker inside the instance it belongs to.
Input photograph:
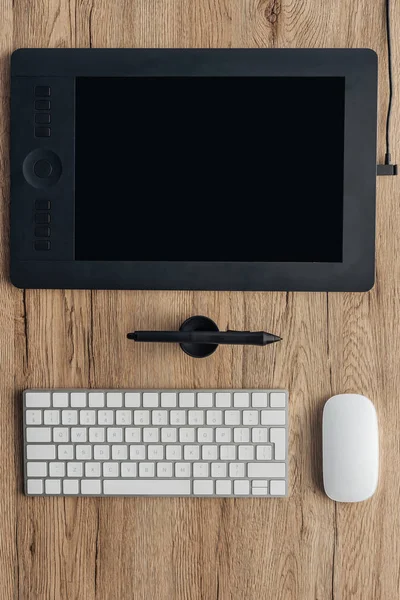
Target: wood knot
(272, 11)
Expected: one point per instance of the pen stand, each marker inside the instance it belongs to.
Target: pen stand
(198, 323)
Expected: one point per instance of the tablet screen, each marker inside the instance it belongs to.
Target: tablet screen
(209, 169)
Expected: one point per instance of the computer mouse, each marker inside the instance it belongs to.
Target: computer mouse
(350, 448)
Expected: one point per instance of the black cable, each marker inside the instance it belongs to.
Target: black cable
(389, 110)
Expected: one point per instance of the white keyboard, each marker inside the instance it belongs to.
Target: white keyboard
(156, 442)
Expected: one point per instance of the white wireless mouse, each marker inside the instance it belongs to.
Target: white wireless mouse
(350, 450)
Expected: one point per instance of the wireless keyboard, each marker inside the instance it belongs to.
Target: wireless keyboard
(156, 442)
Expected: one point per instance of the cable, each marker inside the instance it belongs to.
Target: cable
(388, 168)
(389, 110)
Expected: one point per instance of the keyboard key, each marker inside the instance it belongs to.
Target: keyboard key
(262, 491)
(101, 452)
(259, 435)
(277, 400)
(78, 434)
(40, 452)
(168, 399)
(177, 417)
(260, 483)
(93, 469)
(57, 469)
(137, 452)
(218, 470)
(74, 469)
(150, 399)
(146, 469)
(236, 470)
(205, 435)
(186, 399)
(155, 452)
(241, 399)
(246, 452)
(114, 399)
(105, 417)
(114, 434)
(65, 452)
(51, 417)
(259, 399)
(97, 434)
(209, 453)
(241, 434)
(250, 417)
(132, 400)
(191, 452)
(278, 437)
(143, 487)
(36, 469)
(91, 486)
(71, 487)
(214, 417)
(273, 417)
(203, 487)
(264, 453)
(159, 417)
(204, 399)
(201, 469)
(60, 399)
(241, 488)
(38, 434)
(128, 469)
(150, 434)
(78, 399)
(33, 417)
(187, 435)
(232, 417)
(182, 469)
(227, 452)
(141, 417)
(69, 417)
(119, 452)
(84, 452)
(196, 417)
(87, 417)
(222, 399)
(37, 399)
(52, 486)
(60, 434)
(223, 434)
(110, 469)
(96, 399)
(223, 487)
(164, 469)
(133, 434)
(277, 488)
(264, 470)
(173, 452)
(168, 434)
(35, 486)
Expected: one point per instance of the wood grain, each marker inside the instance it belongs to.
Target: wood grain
(303, 548)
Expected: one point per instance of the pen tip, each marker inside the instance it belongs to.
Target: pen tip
(131, 336)
(274, 338)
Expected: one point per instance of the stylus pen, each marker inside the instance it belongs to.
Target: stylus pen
(256, 338)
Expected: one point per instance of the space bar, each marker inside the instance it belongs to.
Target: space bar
(146, 487)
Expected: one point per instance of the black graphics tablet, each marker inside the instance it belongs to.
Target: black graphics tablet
(193, 169)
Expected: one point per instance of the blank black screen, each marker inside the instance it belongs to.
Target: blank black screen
(209, 169)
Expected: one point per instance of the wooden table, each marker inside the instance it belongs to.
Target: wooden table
(302, 548)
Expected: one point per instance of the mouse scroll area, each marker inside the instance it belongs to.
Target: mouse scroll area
(350, 448)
